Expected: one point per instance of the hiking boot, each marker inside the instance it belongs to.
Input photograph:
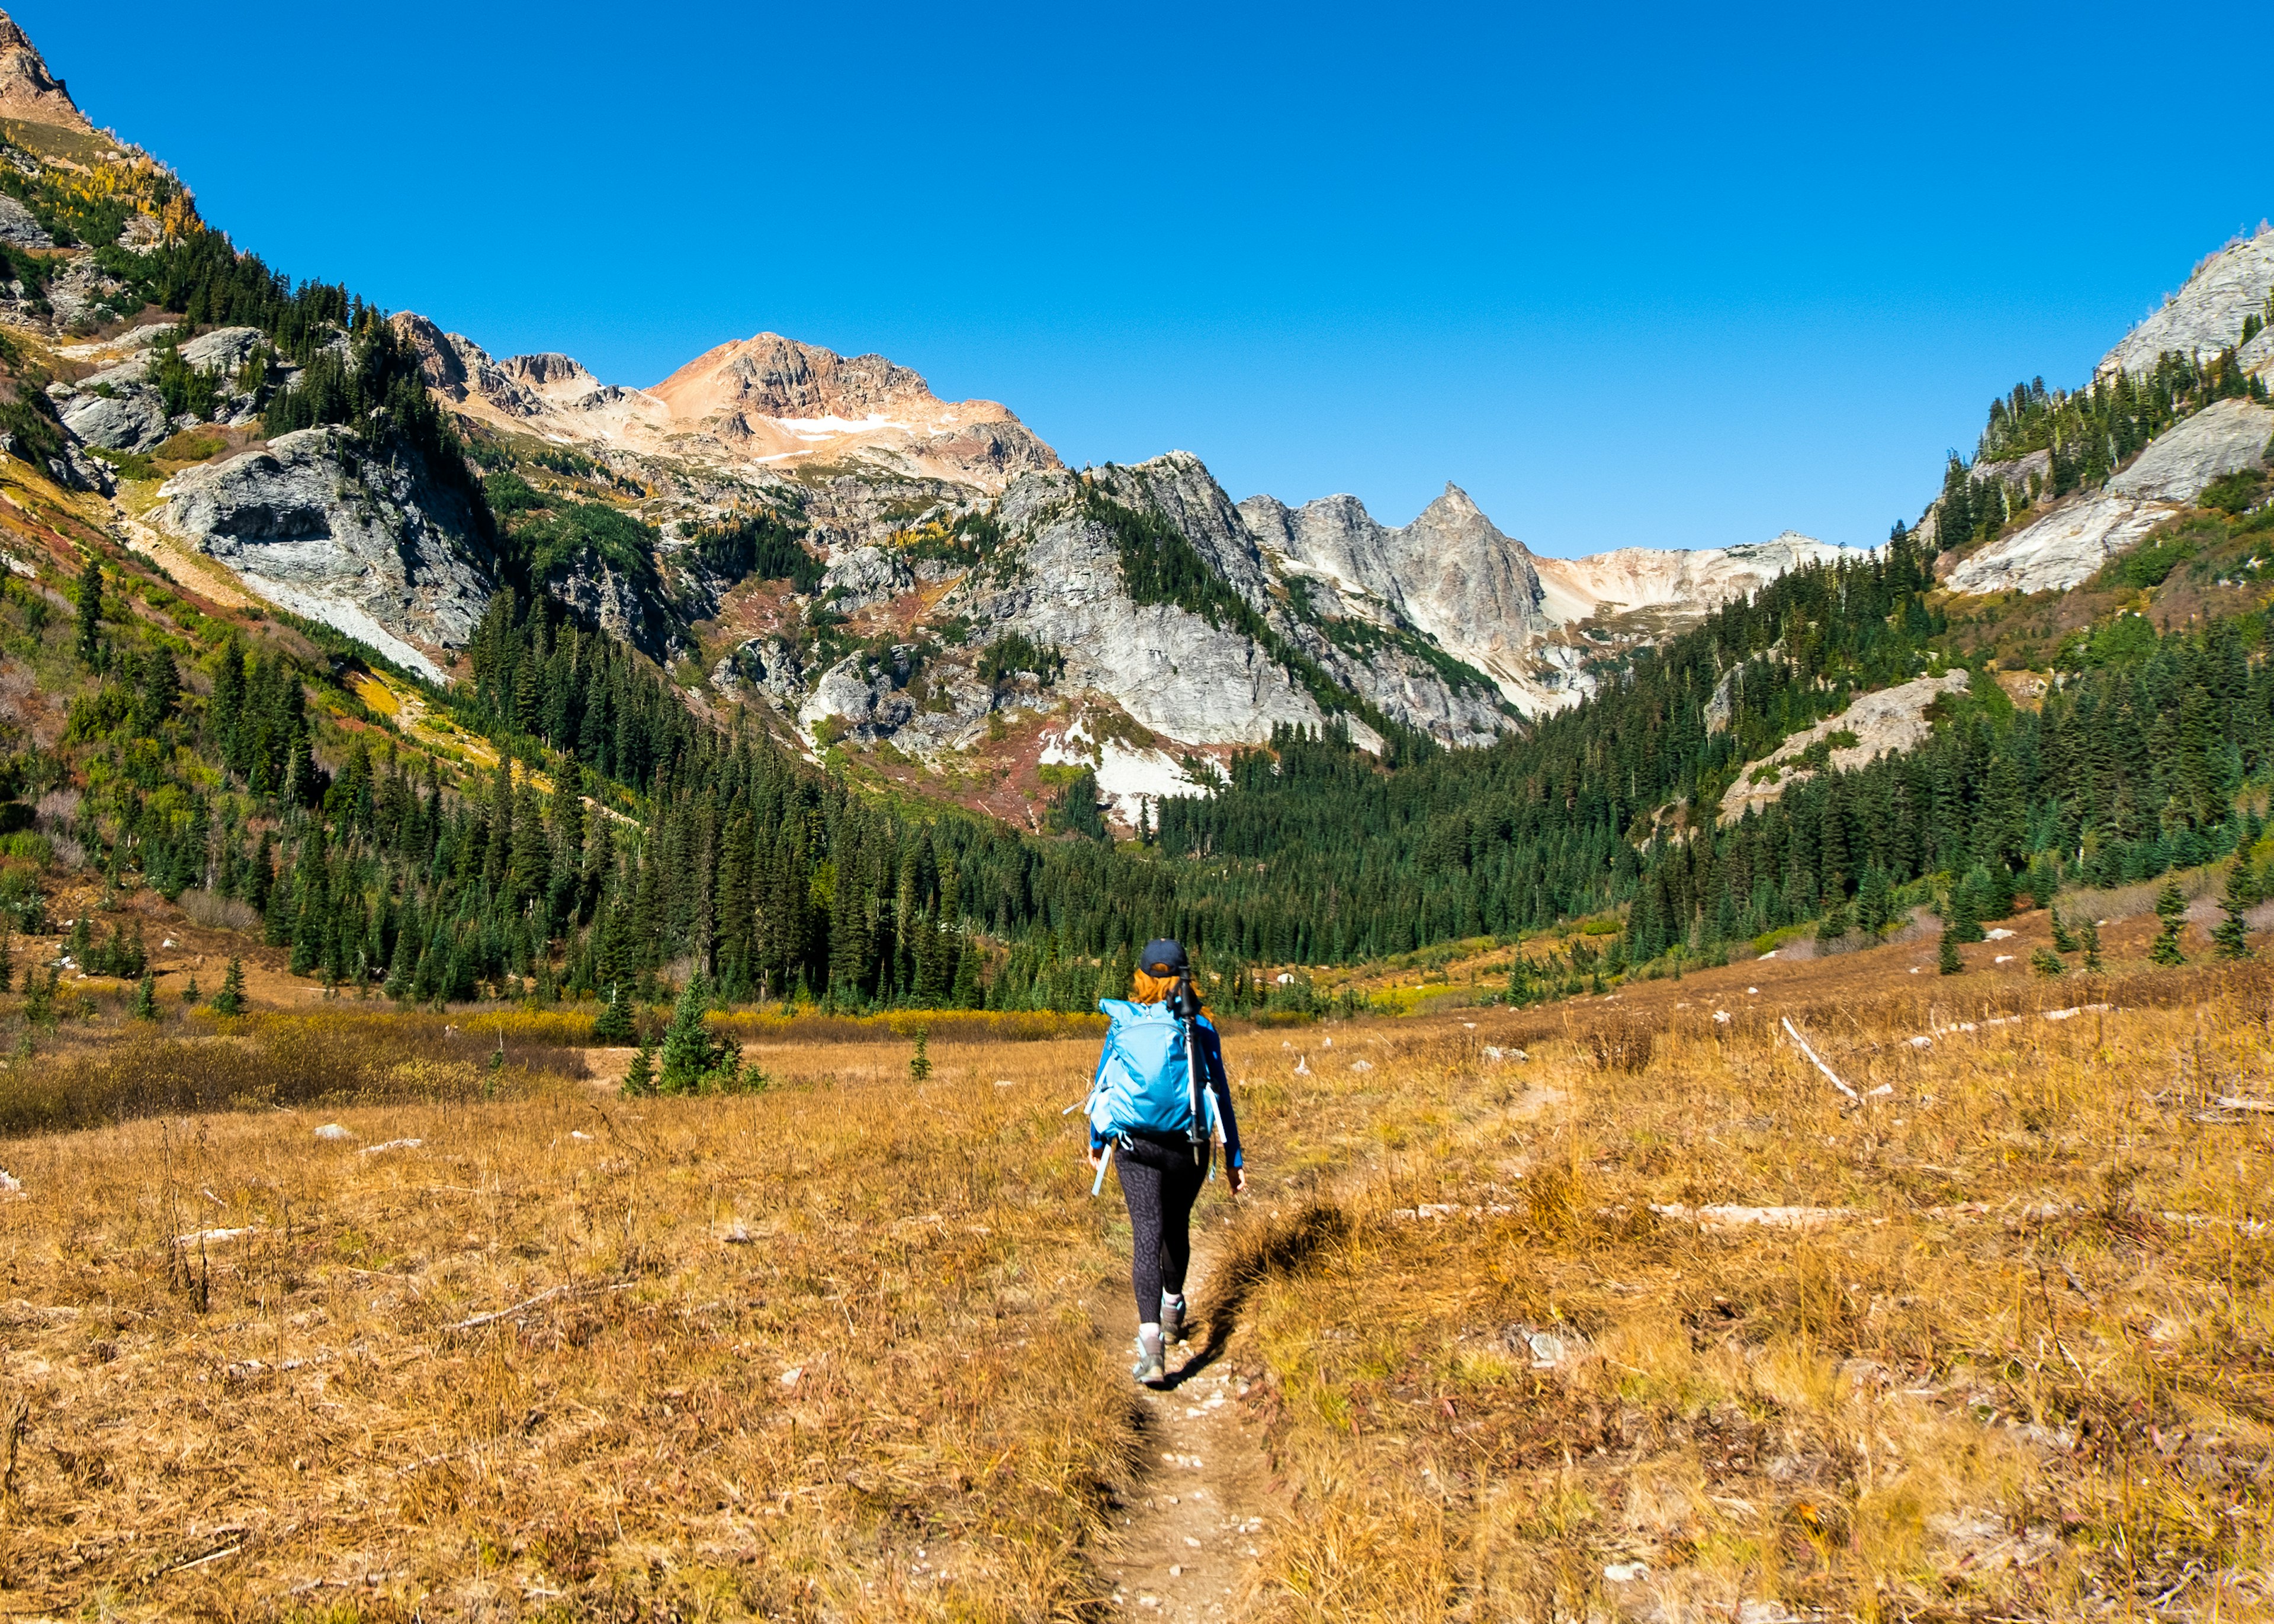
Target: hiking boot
(1172, 1321)
(1151, 1368)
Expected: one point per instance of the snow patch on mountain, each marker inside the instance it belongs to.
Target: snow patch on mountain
(1128, 776)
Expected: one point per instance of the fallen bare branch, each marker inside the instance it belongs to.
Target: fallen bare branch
(1794, 1032)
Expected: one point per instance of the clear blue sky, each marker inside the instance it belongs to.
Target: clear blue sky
(1650, 276)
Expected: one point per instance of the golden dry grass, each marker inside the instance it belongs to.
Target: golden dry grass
(2023, 1370)
(295, 1394)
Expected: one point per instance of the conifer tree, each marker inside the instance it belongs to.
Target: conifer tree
(1875, 902)
(230, 999)
(145, 997)
(920, 1062)
(614, 1024)
(2171, 908)
(1946, 958)
(967, 994)
(639, 1081)
(2090, 938)
(2064, 938)
(696, 1060)
(2046, 962)
(39, 997)
(1961, 921)
(2231, 939)
(90, 613)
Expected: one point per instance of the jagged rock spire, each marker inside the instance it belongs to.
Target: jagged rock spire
(27, 90)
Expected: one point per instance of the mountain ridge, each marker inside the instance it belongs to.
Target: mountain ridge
(820, 538)
(28, 91)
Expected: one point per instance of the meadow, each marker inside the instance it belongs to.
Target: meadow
(1615, 1308)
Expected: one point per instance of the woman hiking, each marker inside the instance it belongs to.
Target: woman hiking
(1158, 1101)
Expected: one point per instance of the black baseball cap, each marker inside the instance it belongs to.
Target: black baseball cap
(1163, 958)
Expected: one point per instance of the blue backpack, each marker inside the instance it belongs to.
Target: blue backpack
(1149, 1078)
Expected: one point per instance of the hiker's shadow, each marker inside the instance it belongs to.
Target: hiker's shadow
(1254, 1253)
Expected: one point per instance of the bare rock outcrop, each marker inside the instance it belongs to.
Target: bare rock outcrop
(2063, 547)
(118, 410)
(861, 576)
(127, 417)
(2225, 437)
(1890, 720)
(2206, 315)
(2067, 544)
(325, 526)
(20, 229)
(1167, 666)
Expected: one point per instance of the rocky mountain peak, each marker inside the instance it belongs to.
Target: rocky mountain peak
(776, 377)
(2206, 315)
(439, 357)
(548, 372)
(1455, 516)
(27, 90)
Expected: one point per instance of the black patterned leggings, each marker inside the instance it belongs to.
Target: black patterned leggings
(1160, 1181)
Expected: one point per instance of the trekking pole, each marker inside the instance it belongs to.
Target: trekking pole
(1105, 1161)
(1188, 1008)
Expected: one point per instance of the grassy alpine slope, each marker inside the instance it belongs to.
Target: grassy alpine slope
(1993, 1342)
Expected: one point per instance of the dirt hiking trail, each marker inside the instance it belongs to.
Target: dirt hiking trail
(1186, 1542)
(1204, 1494)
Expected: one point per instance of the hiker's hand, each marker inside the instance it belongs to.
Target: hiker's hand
(1089, 1158)
(1239, 1181)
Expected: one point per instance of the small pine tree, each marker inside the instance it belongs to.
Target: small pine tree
(1960, 920)
(920, 1063)
(190, 993)
(2171, 908)
(2090, 937)
(1946, 958)
(7, 956)
(39, 997)
(230, 999)
(2064, 938)
(145, 997)
(2046, 962)
(614, 1025)
(639, 1082)
(90, 613)
(2231, 939)
(695, 1060)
